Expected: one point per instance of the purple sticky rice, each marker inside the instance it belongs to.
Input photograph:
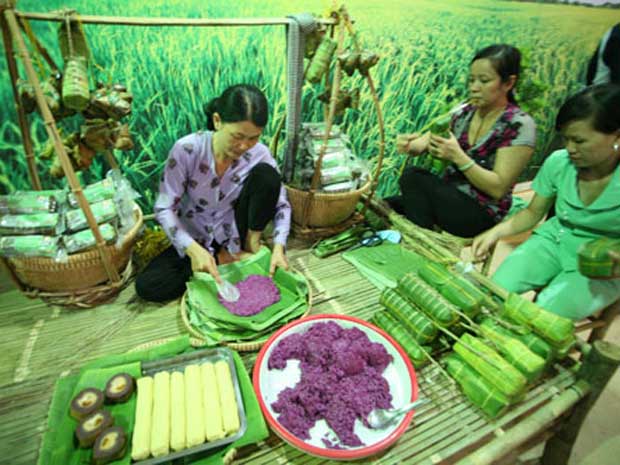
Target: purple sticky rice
(341, 380)
(256, 293)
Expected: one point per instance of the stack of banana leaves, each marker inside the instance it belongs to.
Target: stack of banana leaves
(339, 242)
(217, 325)
(497, 351)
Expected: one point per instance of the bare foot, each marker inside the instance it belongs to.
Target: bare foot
(252, 241)
(243, 255)
(224, 257)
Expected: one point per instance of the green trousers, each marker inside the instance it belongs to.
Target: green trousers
(538, 264)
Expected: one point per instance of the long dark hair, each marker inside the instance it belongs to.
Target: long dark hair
(241, 102)
(506, 61)
(600, 104)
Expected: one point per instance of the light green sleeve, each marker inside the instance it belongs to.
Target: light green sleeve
(547, 179)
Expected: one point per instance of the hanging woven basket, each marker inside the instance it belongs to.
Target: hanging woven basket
(325, 209)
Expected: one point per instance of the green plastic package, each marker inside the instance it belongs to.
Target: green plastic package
(105, 211)
(29, 246)
(85, 239)
(32, 223)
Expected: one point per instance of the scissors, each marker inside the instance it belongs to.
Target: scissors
(368, 239)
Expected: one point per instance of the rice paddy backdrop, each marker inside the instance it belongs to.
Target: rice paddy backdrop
(425, 48)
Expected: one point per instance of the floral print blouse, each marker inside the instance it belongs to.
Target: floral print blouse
(195, 204)
(513, 128)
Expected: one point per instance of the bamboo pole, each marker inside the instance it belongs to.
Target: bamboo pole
(111, 159)
(40, 48)
(598, 367)
(377, 104)
(492, 452)
(375, 181)
(148, 21)
(328, 126)
(21, 114)
(52, 131)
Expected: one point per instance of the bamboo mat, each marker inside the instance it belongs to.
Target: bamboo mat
(41, 343)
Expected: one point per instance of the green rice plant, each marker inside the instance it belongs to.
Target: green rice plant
(425, 52)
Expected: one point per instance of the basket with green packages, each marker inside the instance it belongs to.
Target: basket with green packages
(494, 350)
(51, 224)
(341, 169)
(264, 304)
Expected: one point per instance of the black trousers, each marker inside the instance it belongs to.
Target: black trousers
(428, 201)
(165, 277)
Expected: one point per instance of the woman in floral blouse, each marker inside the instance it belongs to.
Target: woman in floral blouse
(218, 191)
(491, 142)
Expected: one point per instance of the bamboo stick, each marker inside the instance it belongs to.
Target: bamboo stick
(149, 21)
(375, 181)
(598, 367)
(377, 104)
(328, 126)
(111, 159)
(40, 48)
(21, 114)
(332, 110)
(52, 131)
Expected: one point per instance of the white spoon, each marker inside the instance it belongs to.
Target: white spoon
(228, 291)
(380, 418)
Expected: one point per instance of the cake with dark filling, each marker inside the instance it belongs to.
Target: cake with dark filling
(110, 445)
(86, 402)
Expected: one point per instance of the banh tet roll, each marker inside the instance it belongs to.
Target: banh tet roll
(214, 428)
(160, 431)
(141, 442)
(230, 415)
(178, 438)
(195, 424)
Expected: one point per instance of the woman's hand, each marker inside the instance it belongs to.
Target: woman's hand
(202, 260)
(447, 149)
(278, 259)
(483, 243)
(413, 143)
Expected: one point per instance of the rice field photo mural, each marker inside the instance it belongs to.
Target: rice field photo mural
(424, 45)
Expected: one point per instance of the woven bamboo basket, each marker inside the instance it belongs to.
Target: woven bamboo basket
(324, 209)
(245, 346)
(81, 271)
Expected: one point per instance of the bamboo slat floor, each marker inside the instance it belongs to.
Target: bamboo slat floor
(44, 342)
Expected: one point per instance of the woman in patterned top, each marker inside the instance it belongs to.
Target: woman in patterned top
(491, 142)
(218, 191)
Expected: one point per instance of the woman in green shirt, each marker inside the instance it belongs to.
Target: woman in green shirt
(583, 180)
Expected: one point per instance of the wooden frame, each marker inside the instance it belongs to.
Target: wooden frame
(9, 21)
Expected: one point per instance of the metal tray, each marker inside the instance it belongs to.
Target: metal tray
(179, 363)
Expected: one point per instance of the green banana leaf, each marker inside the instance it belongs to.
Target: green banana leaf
(58, 447)
(202, 293)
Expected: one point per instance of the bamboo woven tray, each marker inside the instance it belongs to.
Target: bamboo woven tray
(242, 346)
